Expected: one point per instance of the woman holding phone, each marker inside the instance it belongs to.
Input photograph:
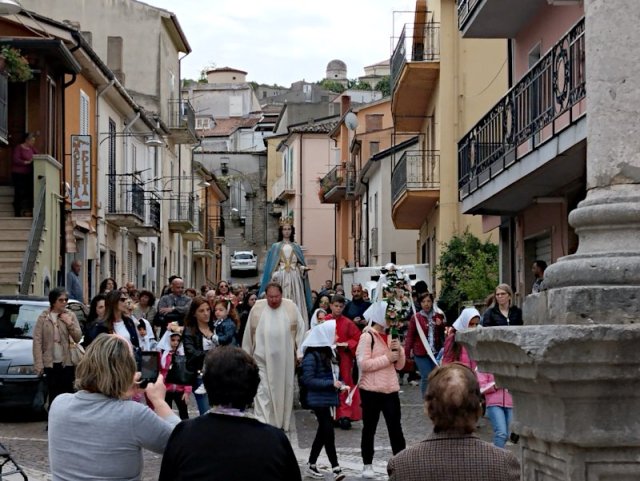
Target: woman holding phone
(106, 379)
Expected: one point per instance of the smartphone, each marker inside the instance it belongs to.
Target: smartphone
(149, 367)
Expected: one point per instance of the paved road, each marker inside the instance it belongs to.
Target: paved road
(27, 440)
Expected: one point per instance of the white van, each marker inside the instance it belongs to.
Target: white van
(369, 276)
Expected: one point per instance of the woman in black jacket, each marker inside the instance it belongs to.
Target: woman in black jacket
(197, 339)
(320, 370)
(115, 321)
(502, 312)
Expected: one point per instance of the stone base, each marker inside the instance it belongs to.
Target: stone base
(576, 393)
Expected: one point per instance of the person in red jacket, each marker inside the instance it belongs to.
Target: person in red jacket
(175, 392)
(348, 336)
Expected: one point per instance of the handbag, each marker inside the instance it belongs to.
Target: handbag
(179, 373)
(76, 351)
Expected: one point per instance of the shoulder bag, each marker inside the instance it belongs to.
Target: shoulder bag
(178, 372)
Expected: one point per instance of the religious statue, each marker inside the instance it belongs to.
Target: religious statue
(285, 264)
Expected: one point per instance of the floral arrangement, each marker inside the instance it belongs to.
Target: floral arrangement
(15, 65)
(398, 300)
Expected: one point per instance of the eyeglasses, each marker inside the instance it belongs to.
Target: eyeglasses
(63, 299)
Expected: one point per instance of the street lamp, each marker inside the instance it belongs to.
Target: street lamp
(9, 7)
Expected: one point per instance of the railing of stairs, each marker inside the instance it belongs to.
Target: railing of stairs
(35, 238)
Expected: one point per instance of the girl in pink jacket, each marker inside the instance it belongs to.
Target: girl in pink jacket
(499, 407)
(379, 358)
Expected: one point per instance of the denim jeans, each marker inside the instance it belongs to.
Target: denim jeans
(202, 400)
(500, 418)
(425, 366)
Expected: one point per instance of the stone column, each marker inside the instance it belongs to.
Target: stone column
(575, 373)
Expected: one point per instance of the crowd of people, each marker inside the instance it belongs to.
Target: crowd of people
(245, 350)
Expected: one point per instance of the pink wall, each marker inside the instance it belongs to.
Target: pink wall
(548, 26)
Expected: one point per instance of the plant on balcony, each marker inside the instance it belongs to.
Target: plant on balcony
(468, 269)
(15, 65)
(326, 184)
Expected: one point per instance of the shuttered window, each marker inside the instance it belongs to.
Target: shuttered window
(84, 113)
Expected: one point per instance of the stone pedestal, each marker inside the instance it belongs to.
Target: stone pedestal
(574, 369)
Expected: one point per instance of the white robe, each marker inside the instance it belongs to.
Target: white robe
(272, 337)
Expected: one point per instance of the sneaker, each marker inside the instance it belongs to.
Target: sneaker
(344, 423)
(338, 475)
(414, 383)
(312, 470)
(367, 472)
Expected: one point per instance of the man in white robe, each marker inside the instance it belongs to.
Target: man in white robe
(275, 329)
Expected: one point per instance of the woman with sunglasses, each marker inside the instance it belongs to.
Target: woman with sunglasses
(55, 328)
(223, 291)
(116, 320)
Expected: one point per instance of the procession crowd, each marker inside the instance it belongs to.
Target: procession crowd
(239, 353)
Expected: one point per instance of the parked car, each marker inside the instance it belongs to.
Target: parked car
(19, 384)
(245, 261)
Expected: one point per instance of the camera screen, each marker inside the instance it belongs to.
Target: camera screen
(149, 366)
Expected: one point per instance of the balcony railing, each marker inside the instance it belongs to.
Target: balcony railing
(332, 185)
(282, 188)
(154, 214)
(422, 42)
(4, 112)
(182, 120)
(547, 92)
(131, 200)
(465, 11)
(416, 170)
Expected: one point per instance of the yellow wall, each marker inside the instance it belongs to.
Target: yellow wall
(274, 164)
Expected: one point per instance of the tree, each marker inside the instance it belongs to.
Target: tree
(384, 86)
(332, 86)
(468, 270)
(356, 84)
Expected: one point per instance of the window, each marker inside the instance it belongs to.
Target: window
(84, 113)
(202, 123)
(111, 169)
(112, 264)
(373, 122)
(374, 148)
(130, 275)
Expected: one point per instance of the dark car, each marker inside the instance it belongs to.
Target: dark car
(19, 384)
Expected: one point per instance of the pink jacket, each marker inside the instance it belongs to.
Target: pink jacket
(449, 356)
(494, 396)
(377, 373)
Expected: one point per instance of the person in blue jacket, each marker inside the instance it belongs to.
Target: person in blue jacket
(320, 370)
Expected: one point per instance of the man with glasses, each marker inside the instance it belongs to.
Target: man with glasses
(172, 307)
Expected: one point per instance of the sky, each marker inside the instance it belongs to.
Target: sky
(282, 41)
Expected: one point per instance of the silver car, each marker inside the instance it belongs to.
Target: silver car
(19, 384)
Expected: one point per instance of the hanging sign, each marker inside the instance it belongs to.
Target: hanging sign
(80, 172)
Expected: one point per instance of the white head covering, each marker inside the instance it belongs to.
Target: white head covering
(462, 322)
(164, 345)
(314, 318)
(323, 335)
(377, 313)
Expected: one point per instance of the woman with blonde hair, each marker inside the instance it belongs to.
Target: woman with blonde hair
(502, 312)
(106, 379)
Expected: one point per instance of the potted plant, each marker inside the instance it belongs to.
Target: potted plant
(14, 64)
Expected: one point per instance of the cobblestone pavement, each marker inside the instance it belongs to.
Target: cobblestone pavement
(27, 441)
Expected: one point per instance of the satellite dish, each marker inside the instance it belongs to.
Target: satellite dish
(351, 121)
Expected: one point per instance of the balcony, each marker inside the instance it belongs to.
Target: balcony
(495, 18)
(126, 203)
(531, 143)
(181, 214)
(182, 122)
(195, 233)
(415, 69)
(333, 186)
(415, 187)
(151, 227)
(282, 189)
(207, 246)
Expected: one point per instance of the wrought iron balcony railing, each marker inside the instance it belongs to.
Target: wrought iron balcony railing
(416, 170)
(465, 11)
(182, 209)
(154, 213)
(182, 117)
(417, 43)
(548, 91)
(129, 200)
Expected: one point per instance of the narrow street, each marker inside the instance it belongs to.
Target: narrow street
(27, 441)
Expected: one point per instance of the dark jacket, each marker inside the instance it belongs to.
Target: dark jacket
(317, 376)
(101, 328)
(193, 347)
(493, 317)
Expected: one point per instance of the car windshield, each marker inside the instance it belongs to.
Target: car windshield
(18, 320)
(243, 256)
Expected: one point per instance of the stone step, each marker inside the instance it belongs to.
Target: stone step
(8, 222)
(9, 288)
(9, 278)
(6, 190)
(14, 234)
(13, 245)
